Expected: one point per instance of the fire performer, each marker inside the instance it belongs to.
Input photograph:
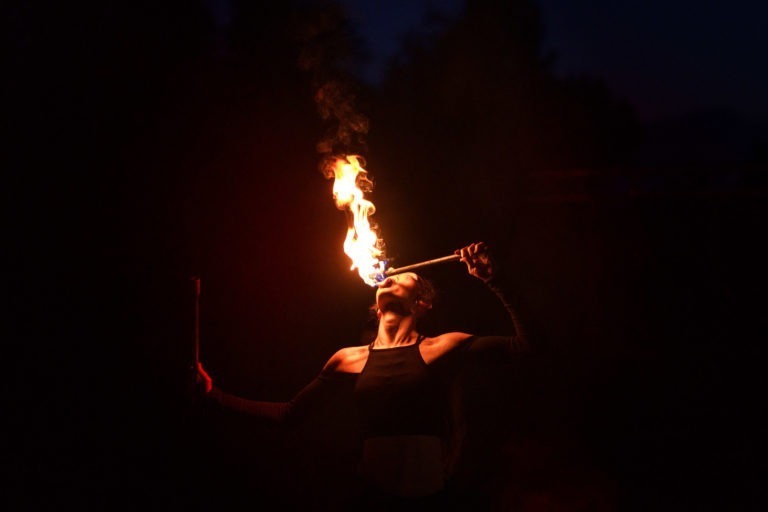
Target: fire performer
(400, 385)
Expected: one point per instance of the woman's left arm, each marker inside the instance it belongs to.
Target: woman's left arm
(480, 265)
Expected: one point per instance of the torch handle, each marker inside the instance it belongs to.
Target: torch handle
(197, 320)
(408, 268)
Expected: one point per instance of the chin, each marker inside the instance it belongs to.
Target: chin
(385, 300)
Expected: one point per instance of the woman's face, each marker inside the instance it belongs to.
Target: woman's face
(397, 288)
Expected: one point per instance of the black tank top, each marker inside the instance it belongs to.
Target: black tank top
(397, 393)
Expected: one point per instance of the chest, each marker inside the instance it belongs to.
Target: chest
(395, 374)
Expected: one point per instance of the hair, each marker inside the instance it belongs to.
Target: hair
(425, 290)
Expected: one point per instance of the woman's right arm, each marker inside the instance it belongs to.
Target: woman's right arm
(321, 390)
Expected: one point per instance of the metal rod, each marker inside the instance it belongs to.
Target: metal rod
(197, 320)
(408, 268)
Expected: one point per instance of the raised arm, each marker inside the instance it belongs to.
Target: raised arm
(480, 264)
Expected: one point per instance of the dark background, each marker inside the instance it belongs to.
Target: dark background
(149, 143)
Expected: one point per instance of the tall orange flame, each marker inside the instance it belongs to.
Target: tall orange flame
(362, 244)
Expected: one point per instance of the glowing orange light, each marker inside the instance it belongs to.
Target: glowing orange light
(362, 244)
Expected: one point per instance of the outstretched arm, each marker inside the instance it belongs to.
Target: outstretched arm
(314, 395)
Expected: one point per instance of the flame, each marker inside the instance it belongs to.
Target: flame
(362, 243)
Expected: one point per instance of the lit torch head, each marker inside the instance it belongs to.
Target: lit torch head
(362, 243)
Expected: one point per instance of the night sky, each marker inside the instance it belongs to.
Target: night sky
(668, 58)
(613, 154)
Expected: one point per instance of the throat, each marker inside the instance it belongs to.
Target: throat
(396, 330)
(395, 338)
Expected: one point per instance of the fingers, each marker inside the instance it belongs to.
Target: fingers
(477, 259)
(204, 378)
(473, 251)
(479, 248)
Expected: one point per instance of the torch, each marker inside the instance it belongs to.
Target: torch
(427, 263)
(362, 244)
(196, 281)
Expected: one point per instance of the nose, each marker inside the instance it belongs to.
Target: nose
(386, 282)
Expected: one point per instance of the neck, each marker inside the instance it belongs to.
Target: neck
(396, 330)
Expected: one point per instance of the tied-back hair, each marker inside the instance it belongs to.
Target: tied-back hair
(426, 290)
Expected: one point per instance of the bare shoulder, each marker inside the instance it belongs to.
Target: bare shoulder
(348, 359)
(435, 347)
(449, 339)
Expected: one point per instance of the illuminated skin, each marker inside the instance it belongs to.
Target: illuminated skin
(408, 465)
(398, 311)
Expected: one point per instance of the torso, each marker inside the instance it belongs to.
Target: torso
(407, 463)
(407, 466)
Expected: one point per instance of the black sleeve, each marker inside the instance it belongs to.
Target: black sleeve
(495, 346)
(519, 341)
(500, 346)
(319, 392)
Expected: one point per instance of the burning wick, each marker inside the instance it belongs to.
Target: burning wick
(408, 268)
